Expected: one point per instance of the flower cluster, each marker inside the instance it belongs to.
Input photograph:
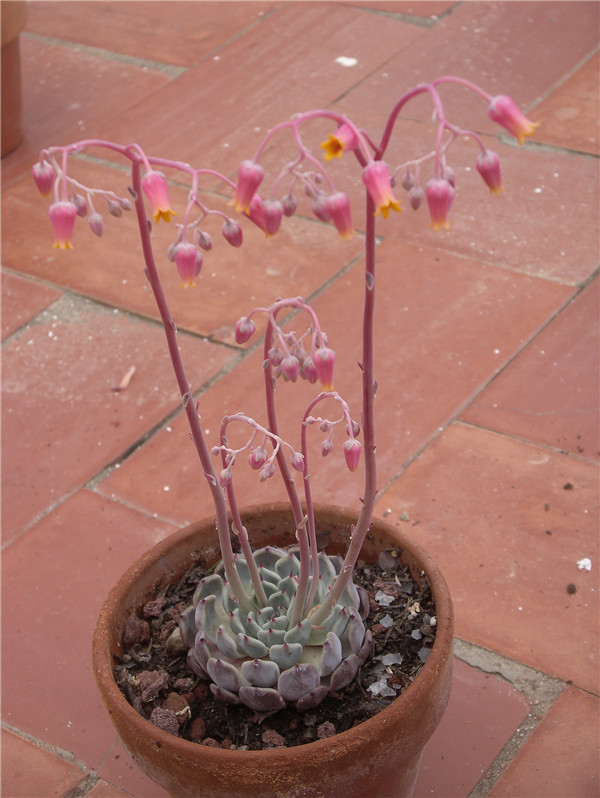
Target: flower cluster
(278, 627)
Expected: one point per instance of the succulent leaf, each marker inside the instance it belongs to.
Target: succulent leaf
(261, 699)
(297, 681)
(223, 674)
(286, 655)
(260, 672)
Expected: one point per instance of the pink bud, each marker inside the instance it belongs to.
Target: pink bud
(326, 447)
(309, 370)
(232, 233)
(297, 461)
(450, 175)
(352, 450)
(250, 177)
(319, 208)
(324, 359)
(488, 166)
(440, 196)
(96, 224)
(115, 209)
(272, 215)
(125, 204)
(267, 472)
(290, 206)
(416, 196)
(408, 181)
(338, 208)
(290, 368)
(80, 203)
(257, 458)
(188, 261)
(204, 241)
(225, 477)
(244, 330)
(43, 176)
(62, 215)
(275, 356)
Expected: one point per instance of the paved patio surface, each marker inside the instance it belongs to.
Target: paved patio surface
(487, 359)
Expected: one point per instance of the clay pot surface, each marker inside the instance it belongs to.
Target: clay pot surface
(376, 759)
(14, 17)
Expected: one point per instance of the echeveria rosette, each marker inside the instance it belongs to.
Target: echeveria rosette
(262, 658)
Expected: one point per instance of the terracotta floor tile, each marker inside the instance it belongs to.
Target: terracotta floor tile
(427, 9)
(549, 394)
(119, 769)
(23, 299)
(477, 41)
(298, 261)
(68, 94)
(507, 529)
(445, 344)
(104, 790)
(29, 771)
(274, 86)
(568, 117)
(55, 579)
(178, 33)
(561, 757)
(62, 422)
(483, 713)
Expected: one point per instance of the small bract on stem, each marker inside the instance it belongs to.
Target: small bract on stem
(277, 627)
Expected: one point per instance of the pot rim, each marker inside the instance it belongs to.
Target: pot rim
(103, 657)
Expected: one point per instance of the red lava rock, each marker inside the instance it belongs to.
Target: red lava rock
(326, 729)
(174, 614)
(184, 685)
(153, 609)
(210, 741)
(386, 587)
(198, 729)
(151, 683)
(227, 744)
(202, 690)
(273, 739)
(166, 720)
(179, 706)
(136, 631)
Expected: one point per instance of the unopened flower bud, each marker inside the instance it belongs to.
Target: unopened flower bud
(80, 203)
(125, 204)
(415, 197)
(267, 472)
(188, 261)
(408, 181)
(257, 458)
(244, 330)
(324, 360)
(297, 461)
(272, 211)
(204, 241)
(96, 224)
(319, 208)
(488, 166)
(43, 176)
(309, 370)
(115, 209)
(450, 175)
(290, 368)
(225, 477)
(352, 450)
(326, 447)
(338, 208)
(275, 356)
(289, 204)
(232, 233)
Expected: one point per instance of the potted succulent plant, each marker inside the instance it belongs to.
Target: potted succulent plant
(278, 624)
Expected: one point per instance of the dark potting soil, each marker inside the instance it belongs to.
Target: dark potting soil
(155, 679)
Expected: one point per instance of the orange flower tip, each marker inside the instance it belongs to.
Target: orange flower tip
(163, 214)
(188, 284)
(63, 245)
(333, 147)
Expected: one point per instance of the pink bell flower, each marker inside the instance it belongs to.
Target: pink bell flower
(338, 207)
(488, 166)
(440, 195)
(155, 188)
(62, 215)
(250, 177)
(344, 138)
(504, 111)
(352, 450)
(376, 178)
(43, 176)
(290, 368)
(272, 211)
(232, 233)
(188, 261)
(324, 360)
(244, 330)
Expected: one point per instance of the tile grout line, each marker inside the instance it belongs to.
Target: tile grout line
(540, 689)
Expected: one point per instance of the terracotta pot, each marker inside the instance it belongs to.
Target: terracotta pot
(14, 17)
(380, 757)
